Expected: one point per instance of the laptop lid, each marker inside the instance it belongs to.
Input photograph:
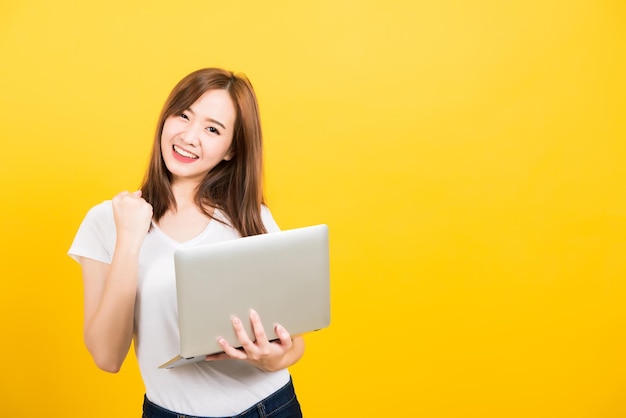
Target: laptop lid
(284, 276)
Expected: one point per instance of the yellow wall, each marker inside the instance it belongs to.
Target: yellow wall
(468, 156)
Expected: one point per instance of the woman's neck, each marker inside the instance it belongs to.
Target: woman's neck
(187, 220)
(184, 194)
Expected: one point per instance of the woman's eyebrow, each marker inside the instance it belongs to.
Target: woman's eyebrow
(209, 119)
(217, 122)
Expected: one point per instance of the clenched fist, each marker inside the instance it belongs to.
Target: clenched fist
(132, 216)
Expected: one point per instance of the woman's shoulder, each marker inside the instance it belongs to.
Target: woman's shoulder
(100, 216)
(102, 210)
(268, 219)
(95, 237)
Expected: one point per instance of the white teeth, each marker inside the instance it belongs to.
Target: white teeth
(184, 153)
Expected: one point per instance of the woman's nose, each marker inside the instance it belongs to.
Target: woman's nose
(191, 134)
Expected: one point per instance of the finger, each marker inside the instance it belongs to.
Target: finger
(242, 336)
(137, 193)
(283, 336)
(124, 196)
(118, 196)
(231, 351)
(258, 329)
(218, 356)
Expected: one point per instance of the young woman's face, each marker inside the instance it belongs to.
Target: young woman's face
(195, 141)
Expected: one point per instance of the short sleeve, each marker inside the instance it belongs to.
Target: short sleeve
(95, 238)
(268, 220)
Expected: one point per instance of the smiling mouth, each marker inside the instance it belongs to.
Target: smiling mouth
(184, 153)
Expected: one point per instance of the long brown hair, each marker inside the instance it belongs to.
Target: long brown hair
(234, 186)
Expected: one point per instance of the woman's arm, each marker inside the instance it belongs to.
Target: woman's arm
(109, 292)
(110, 289)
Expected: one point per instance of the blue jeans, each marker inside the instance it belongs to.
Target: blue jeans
(281, 404)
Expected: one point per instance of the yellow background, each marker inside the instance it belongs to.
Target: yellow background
(468, 156)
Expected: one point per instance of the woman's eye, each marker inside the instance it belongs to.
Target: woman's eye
(213, 130)
(184, 116)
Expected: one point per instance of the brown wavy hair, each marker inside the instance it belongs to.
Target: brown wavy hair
(235, 186)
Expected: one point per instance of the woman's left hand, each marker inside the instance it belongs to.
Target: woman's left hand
(264, 354)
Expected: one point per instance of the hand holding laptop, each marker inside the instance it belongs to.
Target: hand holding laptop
(258, 349)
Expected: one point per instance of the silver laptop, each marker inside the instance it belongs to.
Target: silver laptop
(284, 276)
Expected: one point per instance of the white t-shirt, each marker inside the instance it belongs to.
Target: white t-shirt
(217, 388)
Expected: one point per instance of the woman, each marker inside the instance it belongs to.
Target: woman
(203, 185)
